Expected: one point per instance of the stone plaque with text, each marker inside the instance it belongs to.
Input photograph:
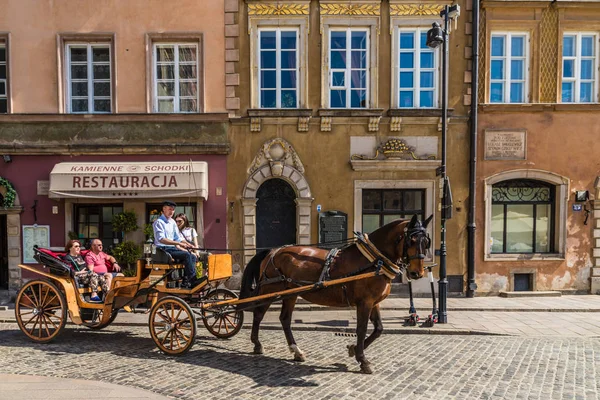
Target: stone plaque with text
(333, 227)
(505, 145)
(43, 188)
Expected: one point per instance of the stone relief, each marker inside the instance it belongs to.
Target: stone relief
(393, 149)
(276, 153)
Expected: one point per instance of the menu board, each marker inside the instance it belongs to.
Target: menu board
(34, 235)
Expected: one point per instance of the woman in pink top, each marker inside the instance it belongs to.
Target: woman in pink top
(96, 261)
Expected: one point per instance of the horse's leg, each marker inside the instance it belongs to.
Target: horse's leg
(287, 308)
(377, 324)
(363, 312)
(259, 313)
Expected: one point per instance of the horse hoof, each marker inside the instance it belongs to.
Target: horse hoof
(365, 369)
(258, 349)
(351, 350)
(299, 357)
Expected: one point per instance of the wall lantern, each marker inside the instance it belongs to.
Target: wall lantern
(582, 195)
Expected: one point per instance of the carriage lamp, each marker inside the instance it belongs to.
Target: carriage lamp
(148, 252)
(437, 36)
(582, 195)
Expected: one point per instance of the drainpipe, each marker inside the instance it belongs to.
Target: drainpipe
(471, 285)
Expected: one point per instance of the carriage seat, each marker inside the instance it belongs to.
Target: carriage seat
(159, 256)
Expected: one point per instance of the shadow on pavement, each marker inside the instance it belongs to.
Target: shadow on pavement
(207, 352)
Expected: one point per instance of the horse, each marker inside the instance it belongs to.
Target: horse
(269, 271)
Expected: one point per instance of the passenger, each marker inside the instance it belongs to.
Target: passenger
(168, 238)
(96, 261)
(83, 274)
(187, 231)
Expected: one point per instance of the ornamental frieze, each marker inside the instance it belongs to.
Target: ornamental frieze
(264, 9)
(350, 9)
(415, 9)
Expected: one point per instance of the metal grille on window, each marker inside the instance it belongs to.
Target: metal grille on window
(522, 217)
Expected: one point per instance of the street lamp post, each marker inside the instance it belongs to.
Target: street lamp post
(436, 36)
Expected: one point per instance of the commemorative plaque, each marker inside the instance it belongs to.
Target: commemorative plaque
(505, 145)
(333, 228)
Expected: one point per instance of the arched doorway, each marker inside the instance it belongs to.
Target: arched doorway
(275, 214)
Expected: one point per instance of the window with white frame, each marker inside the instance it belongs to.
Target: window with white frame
(348, 68)
(3, 79)
(417, 70)
(278, 77)
(579, 66)
(88, 78)
(382, 206)
(508, 67)
(175, 77)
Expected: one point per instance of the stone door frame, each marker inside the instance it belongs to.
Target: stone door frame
(14, 240)
(303, 205)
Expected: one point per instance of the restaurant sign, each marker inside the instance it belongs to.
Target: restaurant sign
(129, 179)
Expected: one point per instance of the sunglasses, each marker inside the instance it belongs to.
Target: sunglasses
(178, 220)
(76, 245)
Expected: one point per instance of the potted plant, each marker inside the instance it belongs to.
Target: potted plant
(127, 254)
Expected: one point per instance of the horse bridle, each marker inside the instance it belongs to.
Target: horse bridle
(423, 242)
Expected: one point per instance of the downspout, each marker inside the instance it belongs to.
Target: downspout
(471, 227)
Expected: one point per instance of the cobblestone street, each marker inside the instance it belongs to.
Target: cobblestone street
(406, 366)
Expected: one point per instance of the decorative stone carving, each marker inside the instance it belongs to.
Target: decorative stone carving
(303, 124)
(255, 124)
(372, 9)
(277, 153)
(374, 123)
(393, 149)
(396, 124)
(277, 9)
(415, 9)
(325, 124)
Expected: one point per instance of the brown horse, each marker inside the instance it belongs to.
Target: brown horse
(403, 243)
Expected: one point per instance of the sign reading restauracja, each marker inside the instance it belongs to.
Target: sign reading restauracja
(129, 179)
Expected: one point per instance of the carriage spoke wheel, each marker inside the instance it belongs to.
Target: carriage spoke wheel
(172, 325)
(222, 321)
(41, 310)
(92, 318)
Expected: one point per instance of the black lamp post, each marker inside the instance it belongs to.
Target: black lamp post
(436, 36)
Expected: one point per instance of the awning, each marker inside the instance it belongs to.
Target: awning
(112, 180)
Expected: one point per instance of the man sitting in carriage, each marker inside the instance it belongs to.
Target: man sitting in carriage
(168, 238)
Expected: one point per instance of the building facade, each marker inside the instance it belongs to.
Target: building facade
(538, 172)
(109, 106)
(337, 124)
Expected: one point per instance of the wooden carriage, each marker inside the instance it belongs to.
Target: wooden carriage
(42, 305)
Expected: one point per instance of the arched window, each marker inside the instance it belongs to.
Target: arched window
(522, 217)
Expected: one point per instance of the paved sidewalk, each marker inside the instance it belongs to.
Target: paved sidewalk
(25, 387)
(532, 316)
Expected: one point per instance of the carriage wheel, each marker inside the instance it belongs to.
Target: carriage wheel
(41, 310)
(172, 325)
(92, 318)
(222, 321)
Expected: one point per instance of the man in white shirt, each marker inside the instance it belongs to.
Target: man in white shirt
(167, 236)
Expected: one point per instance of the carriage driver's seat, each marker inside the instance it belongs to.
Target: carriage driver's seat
(159, 256)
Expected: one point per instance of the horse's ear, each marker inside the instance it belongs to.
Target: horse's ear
(427, 221)
(413, 222)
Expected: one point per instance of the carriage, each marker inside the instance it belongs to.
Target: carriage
(358, 275)
(42, 305)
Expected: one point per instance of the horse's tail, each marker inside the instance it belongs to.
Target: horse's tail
(251, 274)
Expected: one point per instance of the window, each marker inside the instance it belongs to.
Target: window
(348, 66)
(175, 78)
(88, 78)
(3, 79)
(381, 206)
(579, 66)
(522, 217)
(417, 70)
(278, 68)
(95, 222)
(508, 68)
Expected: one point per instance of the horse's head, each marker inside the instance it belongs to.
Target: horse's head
(413, 245)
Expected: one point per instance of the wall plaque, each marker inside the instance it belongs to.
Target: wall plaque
(505, 145)
(333, 227)
(43, 188)
(34, 235)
